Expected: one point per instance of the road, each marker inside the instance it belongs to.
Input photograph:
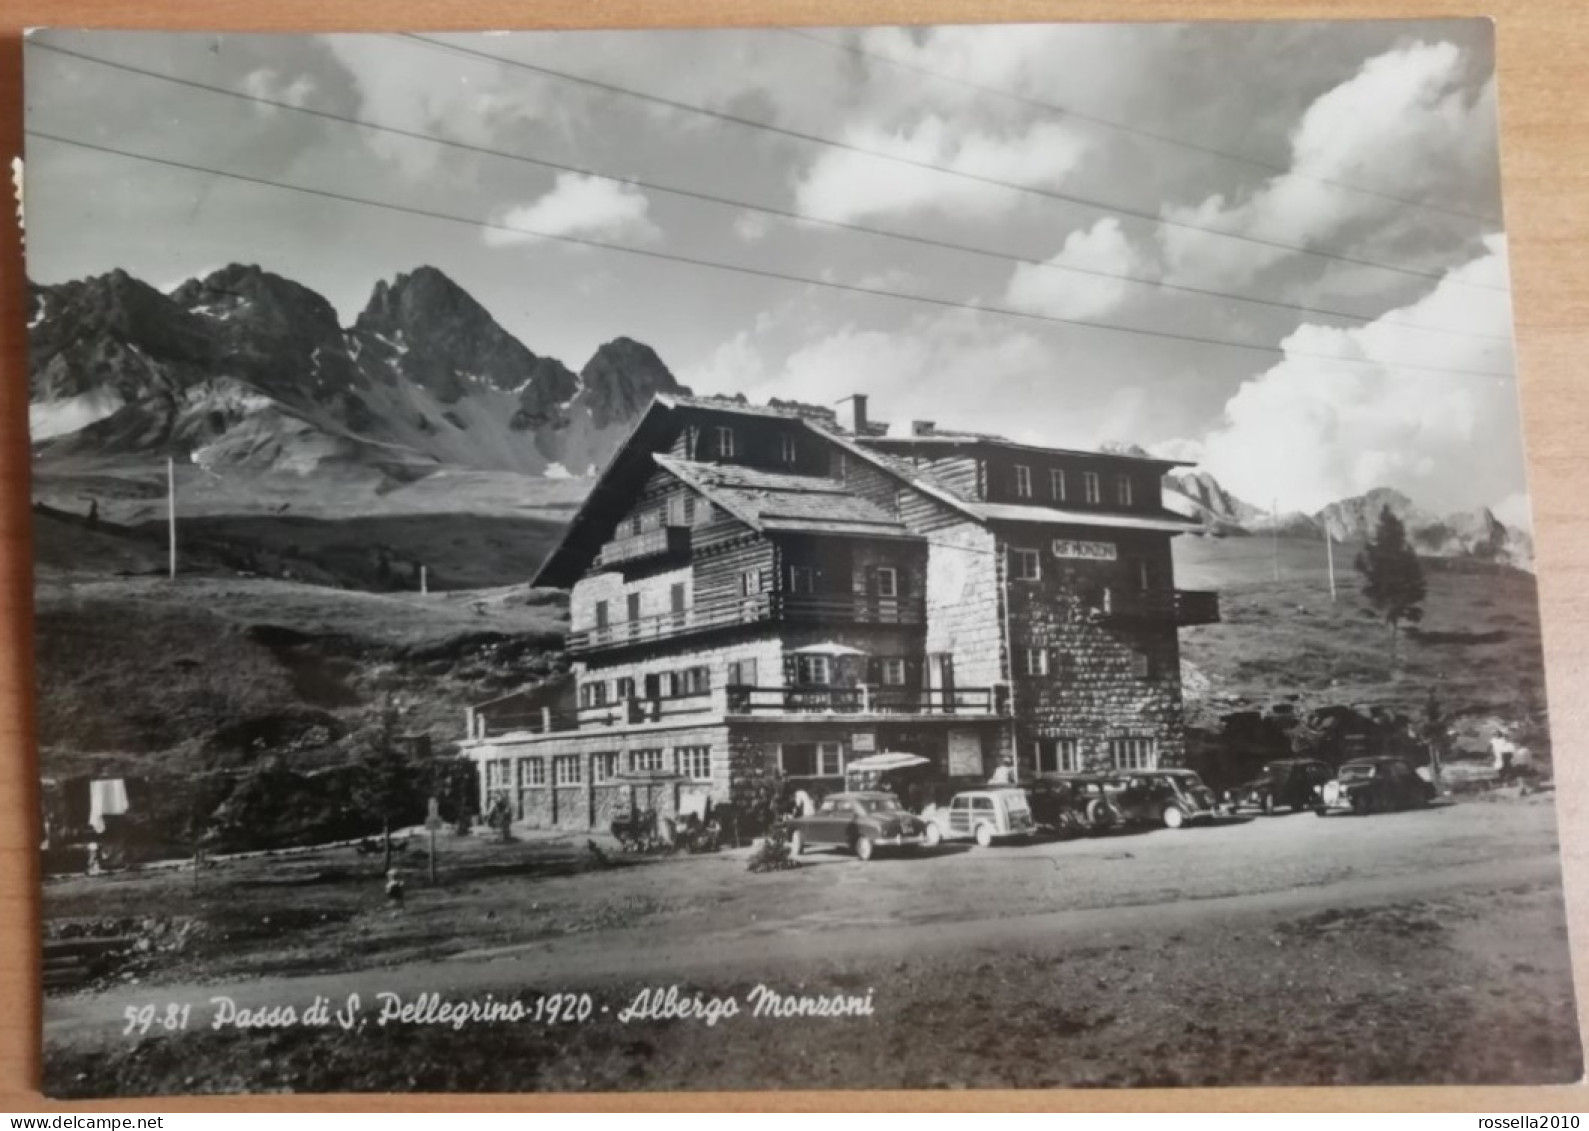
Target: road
(954, 907)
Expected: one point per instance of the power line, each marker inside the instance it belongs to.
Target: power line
(1166, 139)
(757, 272)
(711, 198)
(899, 159)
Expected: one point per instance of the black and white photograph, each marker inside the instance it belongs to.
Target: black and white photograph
(986, 556)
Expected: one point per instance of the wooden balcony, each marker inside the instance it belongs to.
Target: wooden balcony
(1181, 607)
(759, 608)
(754, 701)
(659, 542)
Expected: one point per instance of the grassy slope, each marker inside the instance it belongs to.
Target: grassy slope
(1288, 640)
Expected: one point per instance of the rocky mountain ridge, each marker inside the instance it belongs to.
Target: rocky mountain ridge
(249, 369)
(1469, 534)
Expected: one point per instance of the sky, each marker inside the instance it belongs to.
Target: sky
(1127, 186)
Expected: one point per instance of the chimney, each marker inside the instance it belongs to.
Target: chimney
(852, 414)
(922, 427)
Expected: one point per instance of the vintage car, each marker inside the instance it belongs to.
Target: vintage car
(1294, 783)
(1374, 785)
(860, 822)
(982, 815)
(1074, 803)
(1172, 798)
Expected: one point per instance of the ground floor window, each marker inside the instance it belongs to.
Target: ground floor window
(566, 770)
(497, 771)
(1058, 756)
(644, 761)
(694, 762)
(811, 759)
(603, 767)
(1134, 753)
(532, 771)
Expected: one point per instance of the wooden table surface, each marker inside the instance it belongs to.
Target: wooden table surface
(1543, 68)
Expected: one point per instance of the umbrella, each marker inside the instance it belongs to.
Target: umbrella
(878, 763)
(829, 648)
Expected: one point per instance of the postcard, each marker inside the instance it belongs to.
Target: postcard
(868, 557)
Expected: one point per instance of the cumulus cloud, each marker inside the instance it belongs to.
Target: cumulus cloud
(1406, 124)
(1079, 293)
(1309, 431)
(847, 185)
(267, 83)
(579, 206)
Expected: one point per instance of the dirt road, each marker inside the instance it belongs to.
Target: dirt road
(1286, 949)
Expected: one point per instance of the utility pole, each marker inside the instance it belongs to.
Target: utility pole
(1274, 534)
(171, 512)
(424, 579)
(1329, 557)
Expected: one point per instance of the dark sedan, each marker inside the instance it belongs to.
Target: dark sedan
(1374, 785)
(1290, 783)
(860, 822)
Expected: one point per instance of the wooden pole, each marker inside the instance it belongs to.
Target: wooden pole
(171, 512)
(1274, 535)
(1329, 557)
(424, 579)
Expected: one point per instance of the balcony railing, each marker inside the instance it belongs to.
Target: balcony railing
(1182, 607)
(865, 701)
(753, 609)
(487, 721)
(661, 541)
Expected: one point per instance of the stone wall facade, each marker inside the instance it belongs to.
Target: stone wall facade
(1110, 677)
(964, 603)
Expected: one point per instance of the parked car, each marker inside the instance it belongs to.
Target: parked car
(1374, 785)
(860, 822)
(982, 815)
(1075, 803)
(1296, 783)
(1172, 798)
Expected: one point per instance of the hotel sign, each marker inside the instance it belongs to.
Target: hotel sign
(1093, 551)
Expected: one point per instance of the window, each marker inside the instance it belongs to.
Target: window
(1025, 565)
(676, 597)
(1056, 484)
(1140, 572)
(797, 759)
(623, 689)
(694, 681)
(593, 694)
(787, 451)
(693, 762)
(497, 774)
(603, 767)
(830, 759)
(636, 523)
(742, 673)
(645, 761)
(566, 770)
(633, 603)
(750, 582)
(1023, 481)
(1123, 490)
(1064, 665)
(1134, 753)
(532, 771)
(725, 442)
(602, 614)
(887, 581)
(812, 670)
(1144, 665)
(893, 672)
(1058, 756)
(1089, 482)
(802, 579)
(1034, 661)
(687, 510)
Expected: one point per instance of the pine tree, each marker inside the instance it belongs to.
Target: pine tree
(387, 782)
(1392, 578)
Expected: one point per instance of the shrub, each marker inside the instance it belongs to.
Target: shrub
(772, 854)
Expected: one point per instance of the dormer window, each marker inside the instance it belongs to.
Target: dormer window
(1090, 485)
(1123, 490)
(1023, 481)
(725, 442)
(787, 451)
